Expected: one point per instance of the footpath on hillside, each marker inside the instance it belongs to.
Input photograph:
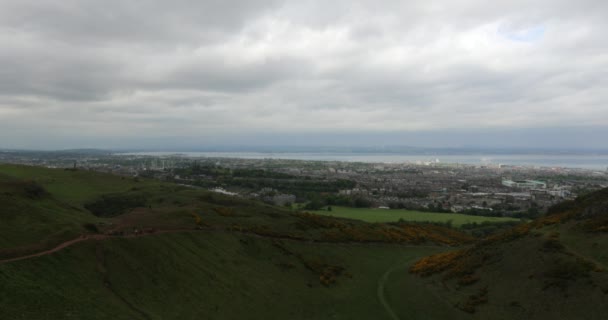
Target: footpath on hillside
(106, 236)
(87, 237)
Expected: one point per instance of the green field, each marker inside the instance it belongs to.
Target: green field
(390, 215)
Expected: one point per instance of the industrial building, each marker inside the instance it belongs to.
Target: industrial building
(524, 184)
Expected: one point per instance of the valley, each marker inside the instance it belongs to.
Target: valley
(85, 245)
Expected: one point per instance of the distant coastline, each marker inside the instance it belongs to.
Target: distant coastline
(400, 150)
(589, 159)
(573, 161)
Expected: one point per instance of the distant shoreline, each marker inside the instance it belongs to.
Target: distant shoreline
(565, 161)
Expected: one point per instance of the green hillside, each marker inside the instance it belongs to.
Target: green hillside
(74, 186)
(30, 216)
(551, 268)
(392, 215)
(199, 276)
(84, 245)
(124, 249)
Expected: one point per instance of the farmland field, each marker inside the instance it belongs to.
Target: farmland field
(391, 215)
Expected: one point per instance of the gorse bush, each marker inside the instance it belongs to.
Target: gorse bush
(436, 263)
(224, 212)
(337, 230)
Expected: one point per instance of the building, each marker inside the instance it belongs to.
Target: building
(283, 199)
(524, 184)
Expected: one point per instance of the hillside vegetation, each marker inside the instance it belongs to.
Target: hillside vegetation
(554, 267)
(84, 245)
(393, 215)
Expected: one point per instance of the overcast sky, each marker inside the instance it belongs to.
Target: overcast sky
(118, 73)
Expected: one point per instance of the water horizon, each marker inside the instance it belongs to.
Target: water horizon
(571, 161)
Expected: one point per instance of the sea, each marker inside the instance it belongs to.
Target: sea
(597, 162)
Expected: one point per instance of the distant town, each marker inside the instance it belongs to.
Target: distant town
(489, 190)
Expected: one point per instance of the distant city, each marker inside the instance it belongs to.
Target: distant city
(570, 159)
(491, 186)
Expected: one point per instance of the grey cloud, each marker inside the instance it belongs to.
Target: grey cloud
(67, 77)
(215, 75)
(101, 22)
(216, 68)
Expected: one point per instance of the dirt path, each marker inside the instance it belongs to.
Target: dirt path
(598, 264)
(57, 248)
(82, 238)
(381, 284)
(102, 269)
(100, 237)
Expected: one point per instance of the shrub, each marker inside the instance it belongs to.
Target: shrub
(114, 204)
(91, 227)
(328, 274)
(474, 300)
(562, 207)
(436, 263)
(552, 245)
(468, 280)
(569, 269)
(224, 212)
(563, 271)
(197, 219)
(33, 190)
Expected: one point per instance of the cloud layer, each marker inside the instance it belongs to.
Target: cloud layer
(115, 70)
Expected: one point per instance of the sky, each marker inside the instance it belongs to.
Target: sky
(195, 73)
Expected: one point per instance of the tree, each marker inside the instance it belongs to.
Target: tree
(314, 204)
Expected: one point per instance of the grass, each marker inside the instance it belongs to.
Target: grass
(32, 220)
(216, 273)
(212, 273)
(199, 276)
(43, 207)
(424, 304)
(75, 187)
(393, 215)
(535, 271)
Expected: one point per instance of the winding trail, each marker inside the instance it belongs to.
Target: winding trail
(55, 249)
(87, 237)
(100, 237)
(574, 253)
(381, 284)
(102, 269)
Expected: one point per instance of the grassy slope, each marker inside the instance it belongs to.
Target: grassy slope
(553, 268)
(385, 215)
(198, 275)
(30, 221)
(213, 273)
(218, 274)
(30, 224)
(56, 216)
(524, 282)
(413, 298)
(74, 187)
